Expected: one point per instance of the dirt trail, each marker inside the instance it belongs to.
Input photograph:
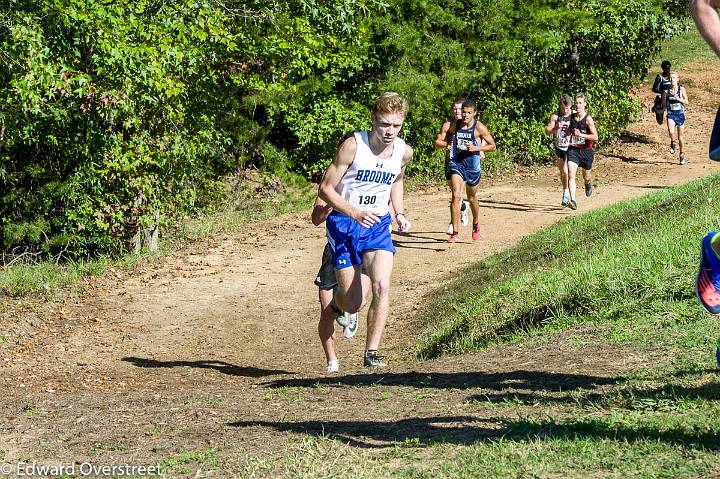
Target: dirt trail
(188, 350)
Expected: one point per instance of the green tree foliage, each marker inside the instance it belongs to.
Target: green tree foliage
(118, 115)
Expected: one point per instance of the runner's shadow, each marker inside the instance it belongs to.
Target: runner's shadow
(416, 235)
(528, 380)
(630, 159)
(220, 366)
(627, 137)
(469, 430)
(429, 239)
(382, 434)
(508, 205)
(648, 187)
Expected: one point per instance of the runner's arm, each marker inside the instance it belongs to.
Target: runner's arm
(552, 125)
(397, 194)
(593, 135)
(481, 131)
(331, 178)
(682, 96)
(656, 85)
(441, 140)
(320, 211)
(708, 22)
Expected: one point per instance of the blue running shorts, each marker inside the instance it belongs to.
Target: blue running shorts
(678, 118)
(469, 169)
(348, 239)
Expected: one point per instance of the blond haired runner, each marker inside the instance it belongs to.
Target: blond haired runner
(366, 174)
(674, 100)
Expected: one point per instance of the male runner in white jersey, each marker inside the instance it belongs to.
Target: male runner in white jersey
(559, 126)
(366, 174)
(326, 283)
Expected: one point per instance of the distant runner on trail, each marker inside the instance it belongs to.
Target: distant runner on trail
(707, 283)
(580, 151)
(441, 142)
(466, 138)
(674, 100)
(559, 126)
(661, 83)
(366, 174)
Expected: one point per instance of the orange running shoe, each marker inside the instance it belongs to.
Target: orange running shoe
(476, 232)
(454, 238)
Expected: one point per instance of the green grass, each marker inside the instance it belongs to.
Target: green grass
(685, 47)
(630, 266)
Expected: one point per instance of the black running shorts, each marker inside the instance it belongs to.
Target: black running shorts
(562, 154)
(583, 157)
(325, 278)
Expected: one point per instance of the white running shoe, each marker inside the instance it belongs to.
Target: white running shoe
(333, 366)
(343, 319)
(352, 327)
(464, 213)
(450, 229)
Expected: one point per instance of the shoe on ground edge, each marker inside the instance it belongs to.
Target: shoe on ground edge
(464, 213)
(352, 327)
(454, 238)
(565, 199)
(588, 189)
(672, 148)
(476, 232)
(333, 366)
(682, 158)
(373, 360)
(708, 276)
(573, 204)
(450, 229)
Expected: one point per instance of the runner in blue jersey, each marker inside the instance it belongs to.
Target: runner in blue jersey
(441, 143)
(674, 100)
(661, 83)
(366, 174)
(468, 139)
(559, 126)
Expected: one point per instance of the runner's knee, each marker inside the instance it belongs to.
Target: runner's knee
(381, 288)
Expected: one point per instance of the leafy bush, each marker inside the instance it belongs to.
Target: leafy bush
(117, 116)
